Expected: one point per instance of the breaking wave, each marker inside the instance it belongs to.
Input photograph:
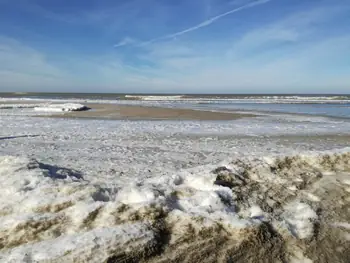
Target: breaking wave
(262, 99)
(154, 97)
(269, 209)
(242, 98)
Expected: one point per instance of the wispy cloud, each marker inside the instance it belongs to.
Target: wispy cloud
(299, 28)
(14, 56)
(24, 67)
(124, 42)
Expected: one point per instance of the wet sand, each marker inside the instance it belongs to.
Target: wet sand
(136, 112)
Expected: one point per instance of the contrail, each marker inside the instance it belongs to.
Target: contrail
(207, 22)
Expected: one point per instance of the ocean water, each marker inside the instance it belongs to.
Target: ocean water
(341, 110)
(44, 95)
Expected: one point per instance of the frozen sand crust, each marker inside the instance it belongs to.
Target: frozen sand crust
(47, 208)
(93, 246)
(110, 147)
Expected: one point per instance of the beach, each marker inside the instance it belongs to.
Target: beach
(162, 181)
(132, 112)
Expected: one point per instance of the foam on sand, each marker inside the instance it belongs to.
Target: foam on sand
(246, 207)
(61, 107)
(18, 106)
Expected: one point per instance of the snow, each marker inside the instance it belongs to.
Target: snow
(299, 217)
(256, 212)
(61, 107)
(136, 196)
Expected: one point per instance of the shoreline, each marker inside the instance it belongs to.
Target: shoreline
(129, 111)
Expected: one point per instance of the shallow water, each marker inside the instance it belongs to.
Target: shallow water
(341, 110)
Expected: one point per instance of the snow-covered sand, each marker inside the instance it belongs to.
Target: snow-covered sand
(118, 191)
(54, 214)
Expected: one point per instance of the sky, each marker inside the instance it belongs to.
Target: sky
(175, 46)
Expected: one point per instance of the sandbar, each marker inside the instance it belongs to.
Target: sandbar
(137, 112)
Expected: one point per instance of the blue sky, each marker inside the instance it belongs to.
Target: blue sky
(182, 46)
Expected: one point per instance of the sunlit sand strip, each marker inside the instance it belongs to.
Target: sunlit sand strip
(113, 111)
